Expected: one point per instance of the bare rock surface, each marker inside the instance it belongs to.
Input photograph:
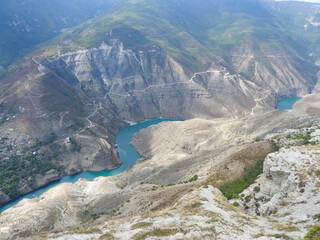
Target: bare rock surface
(173, 153)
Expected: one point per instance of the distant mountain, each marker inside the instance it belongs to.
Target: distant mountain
(193, 31)
(300, 19)
(24, 24)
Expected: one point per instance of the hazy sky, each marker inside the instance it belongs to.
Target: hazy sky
(311, 1)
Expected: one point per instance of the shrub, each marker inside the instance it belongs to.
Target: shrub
(282, 236)
(235, 204)
(194, 178)
(232, 189)
(275, 147)
(256, 189)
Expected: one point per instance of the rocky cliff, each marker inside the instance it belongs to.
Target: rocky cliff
(152, 83)
(161, 192)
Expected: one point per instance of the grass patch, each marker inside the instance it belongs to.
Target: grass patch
(86, 231)
(196, 205)
(232, 189)
(141, 225)
(157, 232)
(304, 138)
(282, 236)
(313, 234)
(193, 207)
(106, 236)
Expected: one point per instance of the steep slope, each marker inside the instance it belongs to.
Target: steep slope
(24, 24)
(247, 44)
(299, 18)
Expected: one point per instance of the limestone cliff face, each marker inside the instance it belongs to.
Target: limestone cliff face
(40, 115)
(279, 72)
(151, 83)
(288, 184)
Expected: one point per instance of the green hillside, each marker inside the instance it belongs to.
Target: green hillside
(295, 17)
(24, 24)
(194, 32)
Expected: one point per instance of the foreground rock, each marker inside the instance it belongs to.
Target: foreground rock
(289, 185)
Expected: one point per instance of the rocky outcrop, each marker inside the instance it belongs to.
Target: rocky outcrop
(3, 197)
(288, 185)
(278, 72)
(151, 83)
(40, 115)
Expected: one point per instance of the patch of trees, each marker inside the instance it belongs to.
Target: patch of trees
(20, 171)
(232, 189)
(76, 147)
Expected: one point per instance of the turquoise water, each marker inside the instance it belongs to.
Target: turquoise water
(127, 154)
(287, 103)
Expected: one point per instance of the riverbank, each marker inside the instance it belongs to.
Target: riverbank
(127, 155)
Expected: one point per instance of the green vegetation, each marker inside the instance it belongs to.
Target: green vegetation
(193, 39)
(26, 24)
(196, 205)
(193, 207)
(282, 236)
(313, 234)
(304, 137)
(22, 170)
(106, 236)
(76, 124)
(157, 232)
(275, 147)
(232, 189)
(256, 189)
(50, 139)
(194, 178)
(141, 225)
(235, 204)
(75, 146)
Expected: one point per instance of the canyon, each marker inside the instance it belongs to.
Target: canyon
(62, 106)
